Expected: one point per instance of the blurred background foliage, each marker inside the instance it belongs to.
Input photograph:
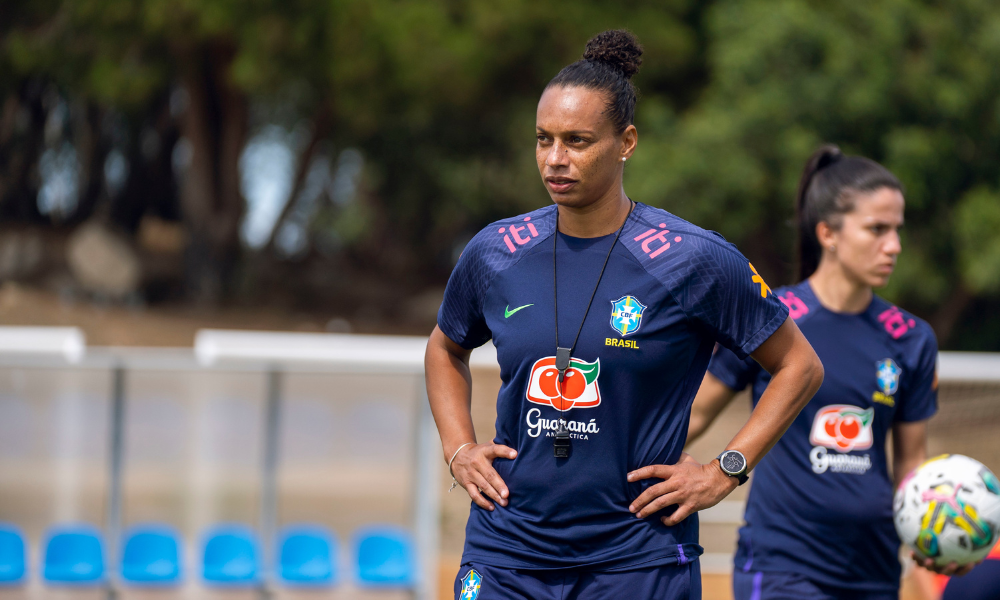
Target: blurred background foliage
(335, 155)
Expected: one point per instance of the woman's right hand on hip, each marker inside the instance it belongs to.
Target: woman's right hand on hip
(473, 470)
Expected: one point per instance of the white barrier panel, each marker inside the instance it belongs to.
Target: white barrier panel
(968, 366)
(67, 342)
(405, 353)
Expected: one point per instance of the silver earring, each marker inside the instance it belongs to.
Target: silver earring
(833, 248)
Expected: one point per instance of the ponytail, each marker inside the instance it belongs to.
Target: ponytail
(827, 190)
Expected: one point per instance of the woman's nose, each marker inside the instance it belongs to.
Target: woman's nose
(557, 156)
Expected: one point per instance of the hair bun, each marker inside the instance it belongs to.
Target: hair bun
(617, 48)
(826, 155)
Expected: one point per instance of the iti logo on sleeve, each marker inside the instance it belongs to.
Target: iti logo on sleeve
(579, 386)
(470, 585)
(843, 428)
(888, 374)
(626, 314)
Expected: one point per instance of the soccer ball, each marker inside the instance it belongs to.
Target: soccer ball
(948, 509)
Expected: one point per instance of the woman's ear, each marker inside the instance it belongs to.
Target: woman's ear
(826, 235)
(630, 139)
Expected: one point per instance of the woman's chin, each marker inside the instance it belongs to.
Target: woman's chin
(569, 200)
(879, 281)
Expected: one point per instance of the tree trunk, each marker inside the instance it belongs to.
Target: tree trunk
(215, 126)
(92, 150)
(320, 125)
(944, 320)
(20, 150)
(151, 188)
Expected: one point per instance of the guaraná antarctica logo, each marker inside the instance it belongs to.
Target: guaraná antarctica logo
(579, 390)
(843, 428)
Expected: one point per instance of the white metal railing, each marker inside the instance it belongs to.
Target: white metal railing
(275, 353)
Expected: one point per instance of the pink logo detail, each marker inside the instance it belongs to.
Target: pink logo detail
(896, 324)
(796, 307)
(515, 233)
(933, 495)
(659, 236)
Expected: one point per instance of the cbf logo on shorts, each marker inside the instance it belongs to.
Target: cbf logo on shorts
(887, 373)
(470, 585)
(843, 428)
(626, 314)
(579, 386)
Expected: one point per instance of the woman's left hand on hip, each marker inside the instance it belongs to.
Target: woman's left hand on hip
(688, 484)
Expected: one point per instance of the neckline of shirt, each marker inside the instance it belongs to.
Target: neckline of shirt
(868, 309)
(582, 243)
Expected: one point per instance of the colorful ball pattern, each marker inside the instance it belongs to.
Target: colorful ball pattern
(948, 509)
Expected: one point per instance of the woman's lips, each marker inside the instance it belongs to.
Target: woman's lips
(560, 185)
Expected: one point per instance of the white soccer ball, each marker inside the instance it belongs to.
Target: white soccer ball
(948, 509)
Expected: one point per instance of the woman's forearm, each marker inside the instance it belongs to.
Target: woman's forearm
(449, 391)
(790, 389)
(909, 448)
(796, 374)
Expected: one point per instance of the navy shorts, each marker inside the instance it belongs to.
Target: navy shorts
(476, 581)
(982, 583)
(769, 585)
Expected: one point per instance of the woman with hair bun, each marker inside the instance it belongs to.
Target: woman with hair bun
(819, 517)
(604, 313)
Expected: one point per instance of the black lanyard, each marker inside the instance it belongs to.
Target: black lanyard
(563, 355)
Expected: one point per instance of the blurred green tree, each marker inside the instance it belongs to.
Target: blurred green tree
(438, 94)
(909, 83)
(439, 97)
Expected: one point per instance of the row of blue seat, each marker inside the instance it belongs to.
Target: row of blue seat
(151, 556)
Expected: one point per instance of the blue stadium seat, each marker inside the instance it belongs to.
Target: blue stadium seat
(230, 557)
(11, 555)
(74, 556)
(384, 557)
(151, 556)
(307, 556)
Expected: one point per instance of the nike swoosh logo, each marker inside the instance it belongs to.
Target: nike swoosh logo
(507, 312)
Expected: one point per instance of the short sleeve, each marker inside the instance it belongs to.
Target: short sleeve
(732, 370)
(727, 296)
(919, 398)
(461, 314)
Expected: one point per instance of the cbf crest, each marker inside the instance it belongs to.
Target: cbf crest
(887, 373)
(470, 585)
(626, 314)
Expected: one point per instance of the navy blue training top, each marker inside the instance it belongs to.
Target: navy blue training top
(821, 501)
(670, 292)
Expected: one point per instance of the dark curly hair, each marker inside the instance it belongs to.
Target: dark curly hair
(611, 59)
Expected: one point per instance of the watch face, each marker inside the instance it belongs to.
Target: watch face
(733, 462)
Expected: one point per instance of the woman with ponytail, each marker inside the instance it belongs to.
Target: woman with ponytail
(819, 516)
(604, 313)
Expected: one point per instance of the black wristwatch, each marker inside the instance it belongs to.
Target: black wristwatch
(734, 464)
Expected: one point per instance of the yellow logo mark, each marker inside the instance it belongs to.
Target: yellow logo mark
(883, 399)
(621, 343)
(764, 289)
